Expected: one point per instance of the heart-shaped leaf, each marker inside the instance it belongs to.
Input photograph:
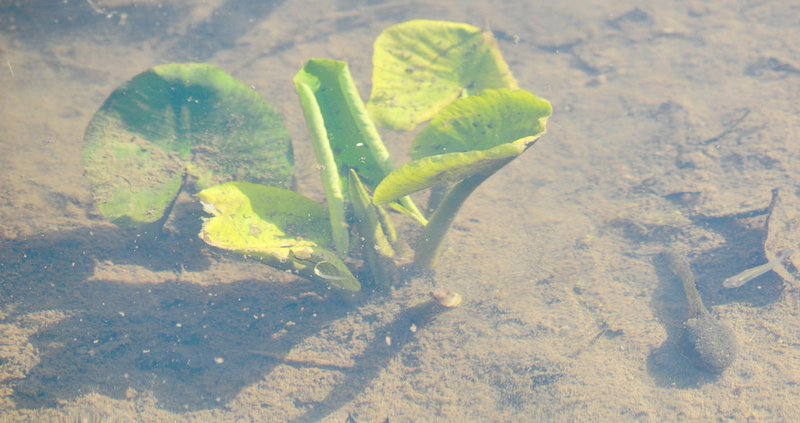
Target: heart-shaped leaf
(177, 120)
(475, 135)
(283, 228)
(421, 66)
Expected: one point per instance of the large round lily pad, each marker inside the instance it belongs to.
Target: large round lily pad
(421, 66)
(176, 121)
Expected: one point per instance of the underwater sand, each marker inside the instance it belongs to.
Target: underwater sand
(672, 123)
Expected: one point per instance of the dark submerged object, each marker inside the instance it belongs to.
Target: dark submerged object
(712, 343)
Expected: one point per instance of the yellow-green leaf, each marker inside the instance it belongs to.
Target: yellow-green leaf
(475, 135)
(283, 228)
(445, 168)
(484, 121)
(421, 66)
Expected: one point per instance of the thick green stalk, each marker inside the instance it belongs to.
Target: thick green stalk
(376, 244)
(429, 246)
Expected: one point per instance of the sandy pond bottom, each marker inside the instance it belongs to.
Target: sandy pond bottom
(672, 124)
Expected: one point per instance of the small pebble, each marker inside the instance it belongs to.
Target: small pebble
(446, 298)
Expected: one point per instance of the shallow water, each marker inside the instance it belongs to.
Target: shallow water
(672, 123)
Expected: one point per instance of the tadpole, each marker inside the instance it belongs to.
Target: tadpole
(712, 344)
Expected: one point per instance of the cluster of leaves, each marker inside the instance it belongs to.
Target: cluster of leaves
(183, 122)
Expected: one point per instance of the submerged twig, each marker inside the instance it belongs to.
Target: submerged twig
(97, 9)
(730, 128)
(747, 275)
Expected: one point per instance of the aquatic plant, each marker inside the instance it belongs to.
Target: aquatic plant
(180, 124)
(449, 73)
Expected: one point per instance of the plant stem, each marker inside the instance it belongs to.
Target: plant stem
(376, 245)
(429, 246)
(437, 193)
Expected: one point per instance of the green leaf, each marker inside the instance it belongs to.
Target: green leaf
(176, 120)
(421, 66)
(443, 169)
(282, 228)
(475, 135)
(351, 134)
(344, 136)
(484, 121)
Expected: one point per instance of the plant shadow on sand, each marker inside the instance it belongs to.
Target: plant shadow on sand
(668, 364)
(193, 346)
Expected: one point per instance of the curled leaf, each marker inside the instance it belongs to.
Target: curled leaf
(344, 137)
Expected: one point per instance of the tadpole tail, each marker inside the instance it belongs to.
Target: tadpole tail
(681, 268)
